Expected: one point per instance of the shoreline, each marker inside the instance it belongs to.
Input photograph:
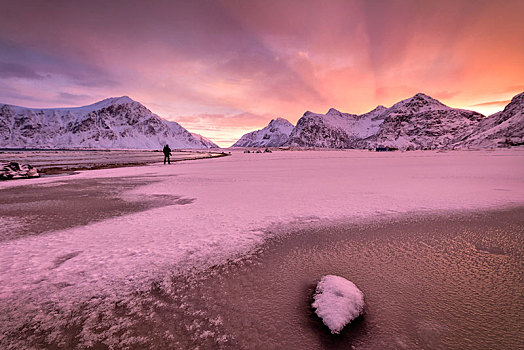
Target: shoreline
(51, 162)
(270, 290)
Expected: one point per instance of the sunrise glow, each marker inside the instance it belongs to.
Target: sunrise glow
(224, 68)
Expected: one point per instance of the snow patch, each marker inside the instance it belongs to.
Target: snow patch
(337, 302)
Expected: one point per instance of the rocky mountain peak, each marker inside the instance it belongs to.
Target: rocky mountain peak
(279, 121)
(419, 103)
(333, 111)
(112, 101)
(308, 113)
(375, 113)
(120, 100)
(517, 100)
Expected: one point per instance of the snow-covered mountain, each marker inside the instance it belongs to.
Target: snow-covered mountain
(419, 122)
(117, 122)
(502, 129)
(335, 129)
(275, 134)
(204, 140)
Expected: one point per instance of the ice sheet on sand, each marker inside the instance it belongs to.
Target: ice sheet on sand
(337, 302)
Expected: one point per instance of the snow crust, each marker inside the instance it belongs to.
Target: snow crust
(337, 302)
(232, 204)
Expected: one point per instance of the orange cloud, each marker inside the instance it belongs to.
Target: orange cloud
(224, 129)
(226, 62)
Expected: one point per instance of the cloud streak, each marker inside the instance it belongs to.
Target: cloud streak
(15, 70)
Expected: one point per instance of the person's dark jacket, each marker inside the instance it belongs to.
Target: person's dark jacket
(167, 150)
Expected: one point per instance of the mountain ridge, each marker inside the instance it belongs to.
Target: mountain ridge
(115, 122)
(417, 122)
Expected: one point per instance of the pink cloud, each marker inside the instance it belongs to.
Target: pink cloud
(235, 65)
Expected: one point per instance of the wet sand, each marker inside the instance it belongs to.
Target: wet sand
(430, 282)
(442, 281)
(38, 209)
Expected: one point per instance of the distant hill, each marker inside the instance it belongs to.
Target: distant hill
(275, 134)
(204, 140)
(117, 122)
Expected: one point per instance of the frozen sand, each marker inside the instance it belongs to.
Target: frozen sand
(234, 200)
(235, 203)
(60, 205)
(438, 282)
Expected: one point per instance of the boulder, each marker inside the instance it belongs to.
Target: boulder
(14, 170)
(337, 302)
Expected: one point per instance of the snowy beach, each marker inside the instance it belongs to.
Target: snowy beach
(153, 247)
(67, 161)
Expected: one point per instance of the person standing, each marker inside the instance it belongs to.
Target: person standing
(167, 154)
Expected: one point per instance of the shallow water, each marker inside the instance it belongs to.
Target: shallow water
(430, 282)
(43, 208)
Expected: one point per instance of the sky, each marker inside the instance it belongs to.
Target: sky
(224, 68)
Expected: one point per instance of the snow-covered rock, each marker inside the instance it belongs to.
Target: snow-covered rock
(337, 302)
(14, 170)
(275, 134)
(117, 122)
